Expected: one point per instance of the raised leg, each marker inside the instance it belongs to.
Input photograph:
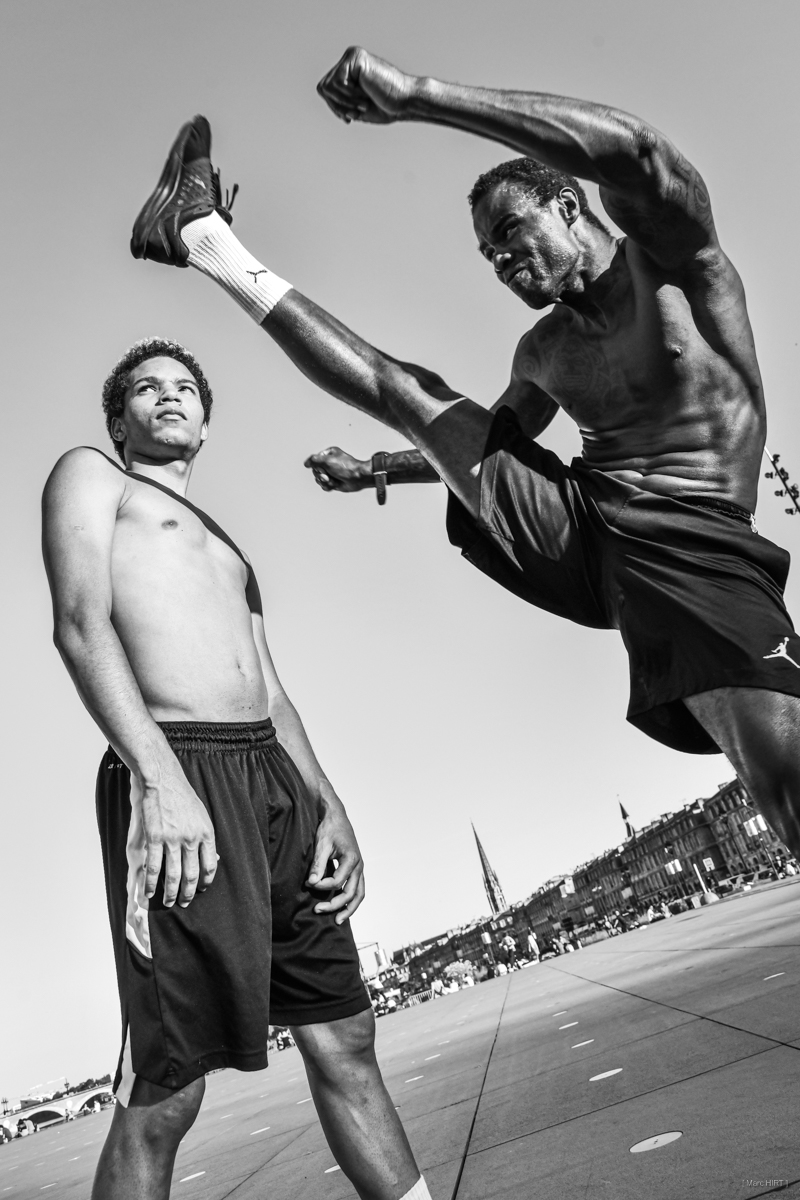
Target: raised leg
(759, 732)
(137, 1160)
(183, 223)
(356, 1111)
(449, 429)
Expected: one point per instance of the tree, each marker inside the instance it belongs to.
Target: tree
(459, 970)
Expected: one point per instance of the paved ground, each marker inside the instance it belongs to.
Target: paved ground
(538, 1085)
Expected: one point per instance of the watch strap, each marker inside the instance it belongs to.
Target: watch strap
(380, 473)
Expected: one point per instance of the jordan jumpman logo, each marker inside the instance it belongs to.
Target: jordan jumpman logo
(255, 274)
(780, 652)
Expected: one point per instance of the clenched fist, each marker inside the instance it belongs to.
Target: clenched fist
(337, 471)
(362, 87)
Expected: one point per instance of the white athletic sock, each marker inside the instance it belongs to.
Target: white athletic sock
(218, 253)
(418, 1192)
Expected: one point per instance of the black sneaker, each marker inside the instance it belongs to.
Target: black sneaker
(188, 188)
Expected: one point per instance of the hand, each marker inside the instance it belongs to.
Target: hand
(177, 831)
(362, 87)
(336, 839)
(337, 471)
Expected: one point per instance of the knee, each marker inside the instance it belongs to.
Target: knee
(332, 1047)
(357, 1036)
(162, 1118)
(178, 1113)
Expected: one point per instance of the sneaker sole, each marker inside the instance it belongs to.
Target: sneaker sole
(162, 194)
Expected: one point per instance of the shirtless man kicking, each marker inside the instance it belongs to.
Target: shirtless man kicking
(216, 820)
(648, 348)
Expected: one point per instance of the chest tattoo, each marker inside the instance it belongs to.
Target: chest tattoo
(576, 372)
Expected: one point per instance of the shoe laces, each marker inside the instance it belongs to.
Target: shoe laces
(229, 196)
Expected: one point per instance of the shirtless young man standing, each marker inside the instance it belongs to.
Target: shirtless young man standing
(217, 822)
(648, 348)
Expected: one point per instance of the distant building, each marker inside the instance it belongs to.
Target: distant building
(717, 838)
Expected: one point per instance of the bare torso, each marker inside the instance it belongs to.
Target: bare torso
(180, 612)
(659, 372)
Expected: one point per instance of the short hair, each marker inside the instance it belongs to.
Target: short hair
(534, 177)
(116, 385)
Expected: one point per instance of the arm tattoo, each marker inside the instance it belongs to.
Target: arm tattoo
(686, 189)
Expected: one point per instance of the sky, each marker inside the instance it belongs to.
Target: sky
(433, 698)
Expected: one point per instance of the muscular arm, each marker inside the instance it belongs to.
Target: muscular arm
(335, 837)
(533, 407)
(646, 185)
(80, 506)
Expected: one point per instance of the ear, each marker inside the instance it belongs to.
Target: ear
(204, 432)
(569, 205)
(118, 431)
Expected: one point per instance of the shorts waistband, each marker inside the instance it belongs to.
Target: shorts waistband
(219, 737)
(725, 507)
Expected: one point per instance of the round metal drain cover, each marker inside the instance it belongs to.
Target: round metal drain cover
(654, 1143)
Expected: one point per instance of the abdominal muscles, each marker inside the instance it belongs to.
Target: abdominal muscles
(714, 451)
(186, 629)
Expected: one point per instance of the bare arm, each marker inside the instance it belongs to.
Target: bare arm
(647, 186)
(533, 407)
(80, 506)
(335, 837)
(337, 471)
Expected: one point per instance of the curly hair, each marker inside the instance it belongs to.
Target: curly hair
(116, 385)
(543, 182)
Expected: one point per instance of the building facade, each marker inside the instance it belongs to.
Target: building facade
(671, 859)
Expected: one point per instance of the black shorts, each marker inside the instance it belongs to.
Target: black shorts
(199, 986)
(696, 594)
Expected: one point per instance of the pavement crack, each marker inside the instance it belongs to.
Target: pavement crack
(623, 1100)
(457, 1184)
(266, 1163)
(675, 1008)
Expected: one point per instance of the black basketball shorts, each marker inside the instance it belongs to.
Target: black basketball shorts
(199, 986)
(694, 590)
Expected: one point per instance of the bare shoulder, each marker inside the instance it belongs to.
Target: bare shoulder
(85, 473)
(534, 407)
(84, 462)
(661, 201)
(708, 272)
(531, 346)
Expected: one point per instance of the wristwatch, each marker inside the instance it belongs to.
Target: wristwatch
(380, 473)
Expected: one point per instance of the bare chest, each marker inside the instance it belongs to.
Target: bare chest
(622, 365)
(162, 548)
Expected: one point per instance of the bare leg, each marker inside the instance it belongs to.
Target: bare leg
(449, 429)
(137, 1160)
(759, 732)
(356, 1112)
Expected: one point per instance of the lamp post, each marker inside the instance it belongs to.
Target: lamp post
(673, 865)
(732, 831)
(757, 830)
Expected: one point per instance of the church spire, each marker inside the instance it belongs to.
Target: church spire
(494, 893)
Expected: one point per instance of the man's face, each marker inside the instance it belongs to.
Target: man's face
(531, 247)
(163, 416)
